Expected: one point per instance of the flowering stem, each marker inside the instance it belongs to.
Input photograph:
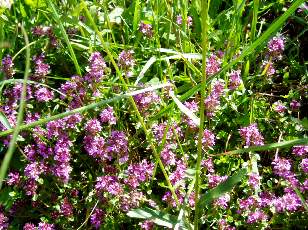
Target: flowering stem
(12, 145)
(148, 134)
(204, 16)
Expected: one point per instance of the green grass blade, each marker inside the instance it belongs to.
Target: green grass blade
(8, 156)
(67, 41)
(207, 198)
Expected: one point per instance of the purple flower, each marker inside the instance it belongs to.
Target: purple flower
(254, 180)
(213, 64)
(96, 68)
(3, 221)
(55, 128)
(295, 105)
(189, 21)
(145, 100)
(256, 216)
(7, 67)
(291, 201)
(214, 180)
(108, 184)
(147, 225)
(213, 100)
(304, 165)
(66, 208)
(179, 19)
(282, 167)
(41, 68)
(93, 127)
(13, 178)
(138, 173)
(62, 150)
(235, 79)
(279, 107)
(118, 145)
(208, 139)
(168, 198)
(146, 29)
(130, 200)
(72, 120)
(45, 226)
(97, 218)
(107, 116)
(43, 95)
(193, 107)
(276, 46)
(126, 59)
(95, 147)
(159, 130)
(62, 171)
(34, 170)
(222, 201)
(208, 164)
(29, 226)
(178, 175)
(268, 68)
(167, 155)
(265, 199)
(30, 187)
(246, 204)
(300, 150)
(251, 135)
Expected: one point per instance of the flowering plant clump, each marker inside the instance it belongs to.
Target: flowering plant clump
(149, 115)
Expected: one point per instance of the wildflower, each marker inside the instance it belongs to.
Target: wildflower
(168, 198)
(174, 129)
(41, 68)
(45, 226)
(13, 178)
(118, 145)
(131, 200)
(62, 150)
(108, 184)
(222, 201)
(235, 79)
(304, 165)
(254, 180)
(213, 100)
(34, 170)
(3, 221)
(72, 120)
(107, 116)
(189, 21)
(66, 208)
(95, 147)
(208, 139)
(30, 187)
(279, 107)
(29, 226)
(295, 105)
(145, 100)
(276, 46)
(97, 218)
(126, 61)
(256, 216)
(93, 127)
(300, 150)
(193, 107)
(62, 171)
(179, 20)
(147, 225)
(96, 68)
(138, 173)
(7, 67)
(178, 175)
(251, 135)
(246, 204)
(208, 164)
(213, 64)
(146, 29)
(282, 167)
(268, 68)
(167, 155)
(43, 94)
(214, 180)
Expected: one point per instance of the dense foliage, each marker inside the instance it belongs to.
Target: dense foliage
(153, 114)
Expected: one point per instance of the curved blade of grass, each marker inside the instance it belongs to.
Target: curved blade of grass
(67, 41)
(207, 198)
(8, 156)
(83, 109)
(4, 121)
(274, 27)
(145, 69)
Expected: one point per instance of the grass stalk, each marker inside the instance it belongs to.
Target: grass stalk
(64, 34)
(8, 156)
(204, 18)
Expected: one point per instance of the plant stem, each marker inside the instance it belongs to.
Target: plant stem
(12, 146)
(204, 18)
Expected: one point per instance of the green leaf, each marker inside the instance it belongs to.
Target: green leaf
(4, 121)
(158, 217)
(222, 188)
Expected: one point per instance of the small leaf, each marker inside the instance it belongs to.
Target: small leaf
(222, 188)
(4, 121)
